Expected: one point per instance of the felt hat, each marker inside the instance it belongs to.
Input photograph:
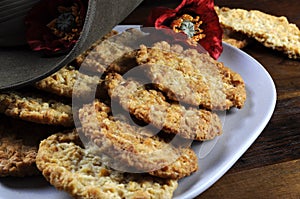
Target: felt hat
(19, 65)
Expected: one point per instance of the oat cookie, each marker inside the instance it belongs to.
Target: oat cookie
(231, 82)
(152, 107)
(234, 38)
(272, 31)
(102, 55)
(191, 77)
(36, 109)
(124, 63)
(79, 59)
(111, 49)
(19, 142)
(63, 81)
(69, 167)
(182, 167)
(134, 146)
(231, 37)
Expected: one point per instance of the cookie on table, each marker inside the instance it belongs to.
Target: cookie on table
(272, 31)
(151, 106)
(231, 37)
(71, 168)
(19, 141)
(35, 108)
(235, 39)
(133, 146)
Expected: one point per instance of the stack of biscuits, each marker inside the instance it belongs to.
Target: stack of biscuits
(118, 122)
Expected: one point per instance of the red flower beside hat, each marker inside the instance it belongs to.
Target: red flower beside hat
(54, 26)
(195, 18)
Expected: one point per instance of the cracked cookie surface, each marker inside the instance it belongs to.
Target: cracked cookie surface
(37, 109)
(192, 77)
(19, 142)
(69, 167)
(151, 106)
(133, 147)
(272, 31)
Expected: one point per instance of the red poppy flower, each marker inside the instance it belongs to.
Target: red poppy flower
(53, 26)
(197, 19)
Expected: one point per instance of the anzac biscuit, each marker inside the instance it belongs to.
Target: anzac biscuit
(71, 168)
(102, 55)
(111, 49)
(192, 77)
(130, 37)
(36, 109)
(19, 142)
(124, 63)
(231, 83)
(272, 31)
(182, 167)
(134, 146)
(231, 37)
(151, 106)
(234, 38)
(63, 81)
(79, 59)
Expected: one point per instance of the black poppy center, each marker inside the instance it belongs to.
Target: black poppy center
(65, 22)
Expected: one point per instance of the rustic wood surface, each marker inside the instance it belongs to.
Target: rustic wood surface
(270, 168)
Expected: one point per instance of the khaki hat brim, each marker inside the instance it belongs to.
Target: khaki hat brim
(20, 66)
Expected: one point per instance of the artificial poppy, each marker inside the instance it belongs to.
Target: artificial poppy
(54, 26)
(197, 19)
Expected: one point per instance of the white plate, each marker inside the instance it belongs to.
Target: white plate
(241, 128)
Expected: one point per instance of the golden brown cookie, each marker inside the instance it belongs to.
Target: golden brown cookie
(37, 109)
(102, 55)
(79, 59)
(124, 63)
(111, 49)
(63, 81)
(71, 168)
(191, 77)
(151, 106)
(231, 37)
(133, 146)
(231, 83)
(234, 38)
(182, 167)
(19, 142)
(272, 31)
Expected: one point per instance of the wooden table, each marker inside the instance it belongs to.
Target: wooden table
(270, 168)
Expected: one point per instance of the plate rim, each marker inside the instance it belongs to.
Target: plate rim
(234, 159)
(259, 129)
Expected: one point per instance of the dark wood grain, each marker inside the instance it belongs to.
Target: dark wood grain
(280, 141)
(273, 181)
(270, 167)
